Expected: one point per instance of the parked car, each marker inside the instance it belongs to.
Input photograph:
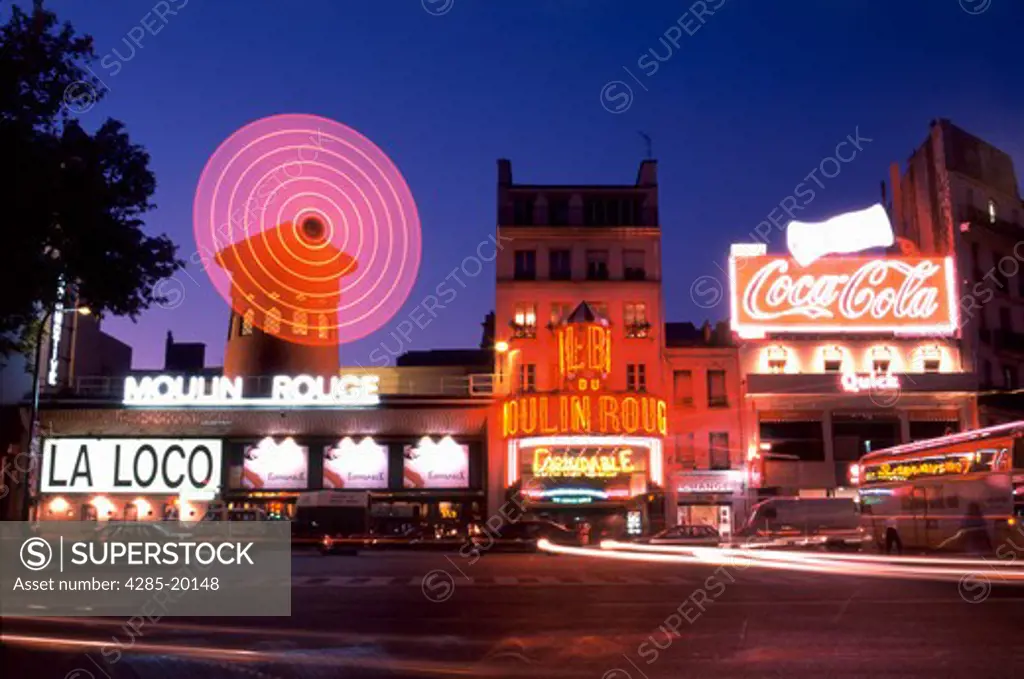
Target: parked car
(833, 523)
(521, 536)
(694, 536)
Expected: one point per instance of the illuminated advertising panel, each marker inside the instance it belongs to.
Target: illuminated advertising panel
(908, 295)
(965, 458)
(272, 465)
(79, 465)
(561, 470)
(440, 464)
(358, 466)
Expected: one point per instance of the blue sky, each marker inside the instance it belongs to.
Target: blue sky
(741, 109)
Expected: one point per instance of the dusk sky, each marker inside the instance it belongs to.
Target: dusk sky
(739, 114)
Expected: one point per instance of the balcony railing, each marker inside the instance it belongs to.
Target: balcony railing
(476, 385)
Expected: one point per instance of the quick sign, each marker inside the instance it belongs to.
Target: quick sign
(910, 295)
(853, 382)
(152, 466)
(300, 390)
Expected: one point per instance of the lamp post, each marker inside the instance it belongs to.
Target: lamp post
(33, 417)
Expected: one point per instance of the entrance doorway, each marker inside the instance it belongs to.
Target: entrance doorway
(718, 516)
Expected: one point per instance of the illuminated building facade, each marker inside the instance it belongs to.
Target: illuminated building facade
(842, 357)
(412, 439)
(590, 430)
(959, 196)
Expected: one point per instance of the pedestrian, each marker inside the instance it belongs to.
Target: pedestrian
(974, 531)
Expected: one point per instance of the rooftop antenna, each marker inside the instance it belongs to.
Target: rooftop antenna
(647, 144)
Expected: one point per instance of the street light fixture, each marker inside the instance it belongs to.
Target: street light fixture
(33, 418)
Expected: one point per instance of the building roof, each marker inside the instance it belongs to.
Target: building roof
(686, 334)
(469, 358)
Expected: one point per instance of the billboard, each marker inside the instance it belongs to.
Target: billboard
(358, 466)
(843, 294)
(444, 464)
(115, 465)
(272, 465)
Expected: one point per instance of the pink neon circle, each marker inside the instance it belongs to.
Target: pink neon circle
(287, 167)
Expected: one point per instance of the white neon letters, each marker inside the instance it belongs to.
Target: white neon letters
(301, 390)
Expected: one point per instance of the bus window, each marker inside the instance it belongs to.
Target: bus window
(934, 498)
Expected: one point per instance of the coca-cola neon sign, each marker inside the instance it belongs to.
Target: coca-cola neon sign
(908, 295)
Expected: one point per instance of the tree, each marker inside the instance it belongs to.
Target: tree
(73, 204)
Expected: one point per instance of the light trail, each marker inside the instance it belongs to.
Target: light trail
(298, 656)
(824, 556)
(779, 561)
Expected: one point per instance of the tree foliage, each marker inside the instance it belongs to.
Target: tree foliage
(73, 202)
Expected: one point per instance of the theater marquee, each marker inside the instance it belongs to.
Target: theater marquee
(906, 295)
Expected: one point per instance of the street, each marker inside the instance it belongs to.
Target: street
(509, 615)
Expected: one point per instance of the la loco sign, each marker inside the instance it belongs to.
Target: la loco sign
(157, 466)
(843, 294)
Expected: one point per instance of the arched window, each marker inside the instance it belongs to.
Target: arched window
(273, 324)
(247, 320)
(299, 323)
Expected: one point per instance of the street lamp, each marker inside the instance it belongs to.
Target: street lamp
(33, 418)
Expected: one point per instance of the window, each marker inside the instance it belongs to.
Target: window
(633, 268)
(778, 360)
(597, 265)
(247, 320)
(559, 311)
(635, 319)
(636, 377)
(523, 211)
(832, 357)
(716, 389)
(718, 450)
(793, 441)
(880, 364)
(560, 265)
(322, 330)
(524, 322)
(992, 211)
(932, 365)
(526, 265)
(1009, 377)
(558, 212)
(1005, 319)
(299, 323)
(682, 386)
(527, 377)
(273, 325)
